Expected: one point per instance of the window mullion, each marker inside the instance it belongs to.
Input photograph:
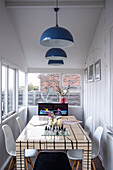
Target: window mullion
(26, 90)
(60, 83)
(6, 92)
(14, 95)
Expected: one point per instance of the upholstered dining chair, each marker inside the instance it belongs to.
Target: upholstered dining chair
(11, 147)
(76, 155)
(48, 160)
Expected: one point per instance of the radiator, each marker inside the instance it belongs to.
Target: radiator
(109, 151)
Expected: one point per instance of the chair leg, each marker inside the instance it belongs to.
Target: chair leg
(10, 163)
(93, 165)
(26, 164)
(73, 164)
(77, 165)
(31, 162)
(13, 163)
(69, 160)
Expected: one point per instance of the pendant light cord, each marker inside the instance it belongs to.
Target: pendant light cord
(56, 10)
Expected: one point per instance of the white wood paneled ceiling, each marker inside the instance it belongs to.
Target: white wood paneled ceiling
(31, 18)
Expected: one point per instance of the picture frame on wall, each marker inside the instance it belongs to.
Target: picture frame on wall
(98, 70)
(86, 74)
(91, 72)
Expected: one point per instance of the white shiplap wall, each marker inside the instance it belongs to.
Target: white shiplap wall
(98, 94)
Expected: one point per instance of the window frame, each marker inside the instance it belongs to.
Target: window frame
(3, 117)
(14, 90)
(8, 66)
(77, 88)
(24, 97)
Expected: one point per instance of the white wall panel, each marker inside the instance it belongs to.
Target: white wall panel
(98, 94)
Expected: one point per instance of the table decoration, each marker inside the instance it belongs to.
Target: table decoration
(54, 118)
(55, 131)
(63, 92)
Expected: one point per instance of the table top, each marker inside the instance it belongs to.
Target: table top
(33, 131)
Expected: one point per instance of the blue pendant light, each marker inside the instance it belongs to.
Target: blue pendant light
(56, 36)
(55, 54)
(55, 62)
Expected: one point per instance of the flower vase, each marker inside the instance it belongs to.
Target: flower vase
(62, 100)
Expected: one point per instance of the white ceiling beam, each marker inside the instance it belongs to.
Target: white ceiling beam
(36, 4)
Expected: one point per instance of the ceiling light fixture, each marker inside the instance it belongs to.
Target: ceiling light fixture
(55, 62)
(56, 36)
(55, 54)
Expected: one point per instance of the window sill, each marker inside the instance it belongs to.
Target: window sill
(75, 106)
(8, 117)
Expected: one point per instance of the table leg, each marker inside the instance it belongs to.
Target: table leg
(20, 163)
(86, 162)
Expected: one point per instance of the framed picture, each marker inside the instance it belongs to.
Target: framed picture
(86, 74)
(90, 76)
(98, 70)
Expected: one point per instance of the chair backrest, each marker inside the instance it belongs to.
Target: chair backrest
(9, 140)
(88, 125)
(20, 123)
(52, 160)
(96, 140)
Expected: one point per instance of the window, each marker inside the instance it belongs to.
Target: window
(74, 95)
(71, 79)
(21, 92)
(11, 90)
(8, 91)
(4, 90)
(42, 87)
(48, 81)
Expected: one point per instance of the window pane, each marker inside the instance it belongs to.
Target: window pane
(42, 87)
(21, 89)
(71, 79)
(11, 88)
(4, 71)
(48, 81)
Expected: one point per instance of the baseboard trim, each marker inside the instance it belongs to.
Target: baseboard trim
(5, 163)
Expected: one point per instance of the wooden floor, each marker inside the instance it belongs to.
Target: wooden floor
(97, 162)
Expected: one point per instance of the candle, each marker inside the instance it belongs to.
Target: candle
(55, 121)
(50, 122)
(59, 122)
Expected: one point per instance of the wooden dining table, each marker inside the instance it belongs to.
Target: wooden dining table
(32, 137)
